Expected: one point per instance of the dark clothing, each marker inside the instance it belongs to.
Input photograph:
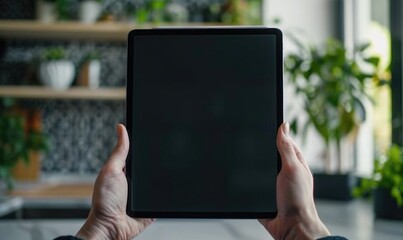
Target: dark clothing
(67, 238)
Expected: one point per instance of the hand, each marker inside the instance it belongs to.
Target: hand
(297, 217)
(107, 218)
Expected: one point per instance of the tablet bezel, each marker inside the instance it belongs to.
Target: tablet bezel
(129, 106)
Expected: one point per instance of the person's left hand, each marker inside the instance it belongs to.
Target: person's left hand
(108, 218)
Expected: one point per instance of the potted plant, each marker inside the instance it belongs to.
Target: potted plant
(233, 12)
(90, 72)
(55, 70)
(237, 12)
(48, 11)
(386, 184)
(90, 10)
(332, 83)
(18, 137)
(157, 8)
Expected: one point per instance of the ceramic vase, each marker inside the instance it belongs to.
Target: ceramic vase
(57, 74)
(89, 11)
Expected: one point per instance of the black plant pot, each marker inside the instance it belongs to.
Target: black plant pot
(385, 205)
(334, 186)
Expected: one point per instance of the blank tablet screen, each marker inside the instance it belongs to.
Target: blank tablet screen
(203, 111)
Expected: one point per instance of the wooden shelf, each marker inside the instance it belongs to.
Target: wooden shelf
(107, 31)
(100, 31)
(103, 31)
(39, 92)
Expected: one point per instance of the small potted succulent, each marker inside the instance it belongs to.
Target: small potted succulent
(55, 70)
(19, 137)
(385, 184)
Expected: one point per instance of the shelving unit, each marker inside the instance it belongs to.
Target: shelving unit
(66, 31)
(39, 92)
(103, 31)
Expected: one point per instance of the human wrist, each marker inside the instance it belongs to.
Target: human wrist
(308, 231)
(308, 227)
(92, 230)
(96, 228)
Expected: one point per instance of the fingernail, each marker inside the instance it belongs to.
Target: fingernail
(286, 128)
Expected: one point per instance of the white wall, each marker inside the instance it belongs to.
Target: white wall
(313, 18)
(365, 140)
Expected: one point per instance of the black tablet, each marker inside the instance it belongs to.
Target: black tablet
(203, 108)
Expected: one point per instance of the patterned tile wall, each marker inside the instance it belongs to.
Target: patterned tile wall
(82, 133)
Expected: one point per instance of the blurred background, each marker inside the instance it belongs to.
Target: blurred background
(62, 92)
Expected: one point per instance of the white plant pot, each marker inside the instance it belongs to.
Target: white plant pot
(94, 73)
(89, 11)
(89, 75)
(46, 11)
(57, 74)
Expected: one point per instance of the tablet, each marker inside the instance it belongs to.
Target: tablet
(203, 108)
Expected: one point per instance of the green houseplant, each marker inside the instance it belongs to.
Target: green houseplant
(386, 184)
(55, 70)
(242, 12)
(17, 138)
(332, 84)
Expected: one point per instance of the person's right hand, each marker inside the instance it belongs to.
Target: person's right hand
(297, 217)
(107, 218)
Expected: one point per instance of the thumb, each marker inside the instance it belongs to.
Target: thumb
(117, 160)
(285, 145)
